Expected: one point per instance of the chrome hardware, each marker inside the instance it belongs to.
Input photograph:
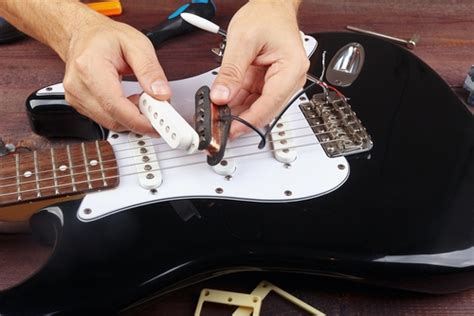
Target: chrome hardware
(346, 65)
(336, 126)
(409, 43)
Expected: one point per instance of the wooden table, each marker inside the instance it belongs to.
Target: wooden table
(446, 44)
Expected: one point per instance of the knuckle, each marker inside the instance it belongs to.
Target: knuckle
(109, 107)
(230, 71)
(81, 63)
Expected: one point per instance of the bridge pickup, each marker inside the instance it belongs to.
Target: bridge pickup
(336, 125)
(283, 146)
(212, 123)
(146, 162)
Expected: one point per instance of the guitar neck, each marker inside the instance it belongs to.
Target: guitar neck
(57, 172)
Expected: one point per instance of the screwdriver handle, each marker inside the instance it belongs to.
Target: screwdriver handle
(174, 25)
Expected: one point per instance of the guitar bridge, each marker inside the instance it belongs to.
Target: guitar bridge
(336, 125)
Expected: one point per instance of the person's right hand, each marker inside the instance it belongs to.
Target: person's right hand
(99, 53)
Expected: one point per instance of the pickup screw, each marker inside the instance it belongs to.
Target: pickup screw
(150, 176)
(224, 163)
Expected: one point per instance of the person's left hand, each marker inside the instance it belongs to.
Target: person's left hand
(264, 63)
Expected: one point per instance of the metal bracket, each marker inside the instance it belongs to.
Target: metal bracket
(264, 288)
(250, 302)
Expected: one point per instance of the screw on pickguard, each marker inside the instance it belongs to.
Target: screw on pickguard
(212, 123)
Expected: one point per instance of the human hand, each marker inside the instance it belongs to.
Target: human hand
(99, 53)
(264, 62)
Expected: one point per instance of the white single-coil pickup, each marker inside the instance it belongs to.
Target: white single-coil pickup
(169, 124)
(146, 162)
(282, 143)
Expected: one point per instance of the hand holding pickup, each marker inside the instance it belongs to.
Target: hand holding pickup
(264, 63)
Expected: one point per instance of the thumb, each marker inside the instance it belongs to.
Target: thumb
(232, 73)
(148, 71)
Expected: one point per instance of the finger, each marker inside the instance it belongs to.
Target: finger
(281, 83)
(106, 87)
(232, 72)
(96, 113)
(144, 63)
(249, 100)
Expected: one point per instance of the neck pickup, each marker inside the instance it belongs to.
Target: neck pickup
(57, 172)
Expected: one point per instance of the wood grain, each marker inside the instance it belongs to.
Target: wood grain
(447, 45)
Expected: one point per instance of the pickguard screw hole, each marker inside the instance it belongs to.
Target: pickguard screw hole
(306, 39)
(229, 299)
(228, 177)
(153, 191)
(215, 73)
(206, 293)
(255, 299)
(49, 89)
(288, 193)
(87, 211)
(302, 98)
(219, 190)
(341, 167)
(287, 165)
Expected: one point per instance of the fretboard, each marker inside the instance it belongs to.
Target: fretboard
(56, 172)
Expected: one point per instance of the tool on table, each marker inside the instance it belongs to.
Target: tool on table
(469, 85)
(174, 25)
(208, 26)
(108, 8)
(409, 43)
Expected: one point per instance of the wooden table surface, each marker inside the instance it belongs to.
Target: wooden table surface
(447, 45)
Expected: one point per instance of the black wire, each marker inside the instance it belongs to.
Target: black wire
(241, 120)
(264, 137)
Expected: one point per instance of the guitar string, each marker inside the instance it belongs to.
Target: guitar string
(136, 173)
(177, 157)
(161, 160)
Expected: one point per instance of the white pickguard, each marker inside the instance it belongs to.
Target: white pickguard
(258, 176)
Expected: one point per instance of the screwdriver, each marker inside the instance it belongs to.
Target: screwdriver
(108, 8)
(174, 25)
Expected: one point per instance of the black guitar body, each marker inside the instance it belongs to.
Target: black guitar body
(404, 218)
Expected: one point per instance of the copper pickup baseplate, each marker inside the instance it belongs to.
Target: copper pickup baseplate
(212, 123)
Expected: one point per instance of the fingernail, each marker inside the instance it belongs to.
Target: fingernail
(220, 92)
(160, 88)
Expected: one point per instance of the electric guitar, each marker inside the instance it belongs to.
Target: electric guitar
(377, 188)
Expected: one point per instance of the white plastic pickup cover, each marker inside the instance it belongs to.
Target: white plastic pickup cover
(169, 124)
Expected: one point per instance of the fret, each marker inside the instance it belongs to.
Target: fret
(86, 165)
(55, 178)
(37, 177)
(101, 164)
(18, 188)
(44, 174)
(71, 170)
